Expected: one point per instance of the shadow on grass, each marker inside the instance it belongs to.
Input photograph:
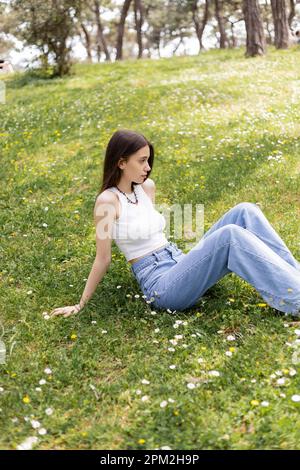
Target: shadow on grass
(32, 77)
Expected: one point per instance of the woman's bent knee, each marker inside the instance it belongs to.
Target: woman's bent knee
(248, 206)
(230, 231)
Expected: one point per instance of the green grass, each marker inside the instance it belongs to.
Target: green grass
(222, 115)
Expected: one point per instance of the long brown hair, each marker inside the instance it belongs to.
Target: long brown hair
(123, 143)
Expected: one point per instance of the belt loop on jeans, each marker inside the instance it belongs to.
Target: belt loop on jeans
(169, 248)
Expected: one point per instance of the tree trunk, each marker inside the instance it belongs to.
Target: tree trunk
(121, 28)
(221, 23)
(62, 58)
(87, 42)
(200, 26)
(281, 26)
(101, 42)
(138, 15)
(233, 38)
(156, 39)
(269, 38)
(256, 44)
(180, 42)
(292, 13)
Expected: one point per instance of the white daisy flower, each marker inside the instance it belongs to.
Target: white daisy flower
(296, 398)
(281, 381)
(230, 338)
(42, 431)
(35, 424)
(214, 373)
(163, 404)
(265, 403)
(191, 385)
(145, 382)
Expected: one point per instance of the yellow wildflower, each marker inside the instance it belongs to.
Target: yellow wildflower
(254, 402)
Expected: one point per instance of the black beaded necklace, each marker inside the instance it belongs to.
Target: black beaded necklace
(128, 200)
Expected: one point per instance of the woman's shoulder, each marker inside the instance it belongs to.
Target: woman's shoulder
(148, 184)
(149, 188)
(108, 197)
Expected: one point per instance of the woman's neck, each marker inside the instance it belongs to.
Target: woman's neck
(124, 187)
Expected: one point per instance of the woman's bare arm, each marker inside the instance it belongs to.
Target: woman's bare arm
(104, 215)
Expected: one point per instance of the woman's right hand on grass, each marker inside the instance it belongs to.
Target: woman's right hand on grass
(65, 311)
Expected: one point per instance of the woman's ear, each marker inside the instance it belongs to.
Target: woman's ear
(121, 163)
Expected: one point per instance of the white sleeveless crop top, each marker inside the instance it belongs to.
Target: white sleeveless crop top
(139, 229)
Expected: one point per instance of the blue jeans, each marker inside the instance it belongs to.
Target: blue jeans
(242, 241)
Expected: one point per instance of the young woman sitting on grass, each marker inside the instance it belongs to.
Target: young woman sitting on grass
(241, 241)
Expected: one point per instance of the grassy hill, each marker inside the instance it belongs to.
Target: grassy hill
(225, 130)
